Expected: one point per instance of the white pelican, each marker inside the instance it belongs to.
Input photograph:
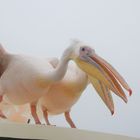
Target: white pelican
(63, 94)
(26, 79)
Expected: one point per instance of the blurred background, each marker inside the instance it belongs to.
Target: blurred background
(45, 28)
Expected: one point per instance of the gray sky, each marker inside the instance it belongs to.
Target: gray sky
(44, 27)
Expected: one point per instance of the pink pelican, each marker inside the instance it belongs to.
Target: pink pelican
(63, 94)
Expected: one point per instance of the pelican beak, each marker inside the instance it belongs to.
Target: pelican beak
(101, 70)
(112, 72)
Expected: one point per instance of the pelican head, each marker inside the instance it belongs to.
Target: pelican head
(79, 50)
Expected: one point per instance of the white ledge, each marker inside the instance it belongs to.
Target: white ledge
(28, 131)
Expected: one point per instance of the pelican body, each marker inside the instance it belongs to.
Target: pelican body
(20, 83)
(63, 94)
(23, 80)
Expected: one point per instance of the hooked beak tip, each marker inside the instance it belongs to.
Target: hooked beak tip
(130, 92)
(126, 101)
(112, 113)
(28, 121)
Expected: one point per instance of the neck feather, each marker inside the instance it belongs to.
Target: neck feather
(59, 72)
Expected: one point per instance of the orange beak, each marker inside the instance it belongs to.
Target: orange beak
(104, 78)
(112, 72)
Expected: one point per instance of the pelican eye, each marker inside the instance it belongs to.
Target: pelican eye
(83, 49)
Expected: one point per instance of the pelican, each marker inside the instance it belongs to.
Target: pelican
(63, 94)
